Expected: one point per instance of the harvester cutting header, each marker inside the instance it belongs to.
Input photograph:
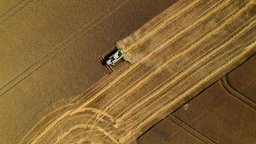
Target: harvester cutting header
(110, 59)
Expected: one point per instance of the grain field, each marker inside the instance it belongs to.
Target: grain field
(169, 60)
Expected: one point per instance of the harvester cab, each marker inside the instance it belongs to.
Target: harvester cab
(110, 59)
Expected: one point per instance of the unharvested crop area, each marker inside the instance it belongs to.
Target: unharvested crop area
(169, 60)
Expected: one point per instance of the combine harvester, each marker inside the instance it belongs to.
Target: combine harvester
(110, 59)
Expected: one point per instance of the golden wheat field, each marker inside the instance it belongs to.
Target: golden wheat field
(54, 90)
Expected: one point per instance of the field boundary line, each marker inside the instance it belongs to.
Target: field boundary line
(235, 93)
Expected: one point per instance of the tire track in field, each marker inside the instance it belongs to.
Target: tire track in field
(64, 123)
(98, 128)
(14, 10)
(105, 123)
(70, 123)
(232, 91)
